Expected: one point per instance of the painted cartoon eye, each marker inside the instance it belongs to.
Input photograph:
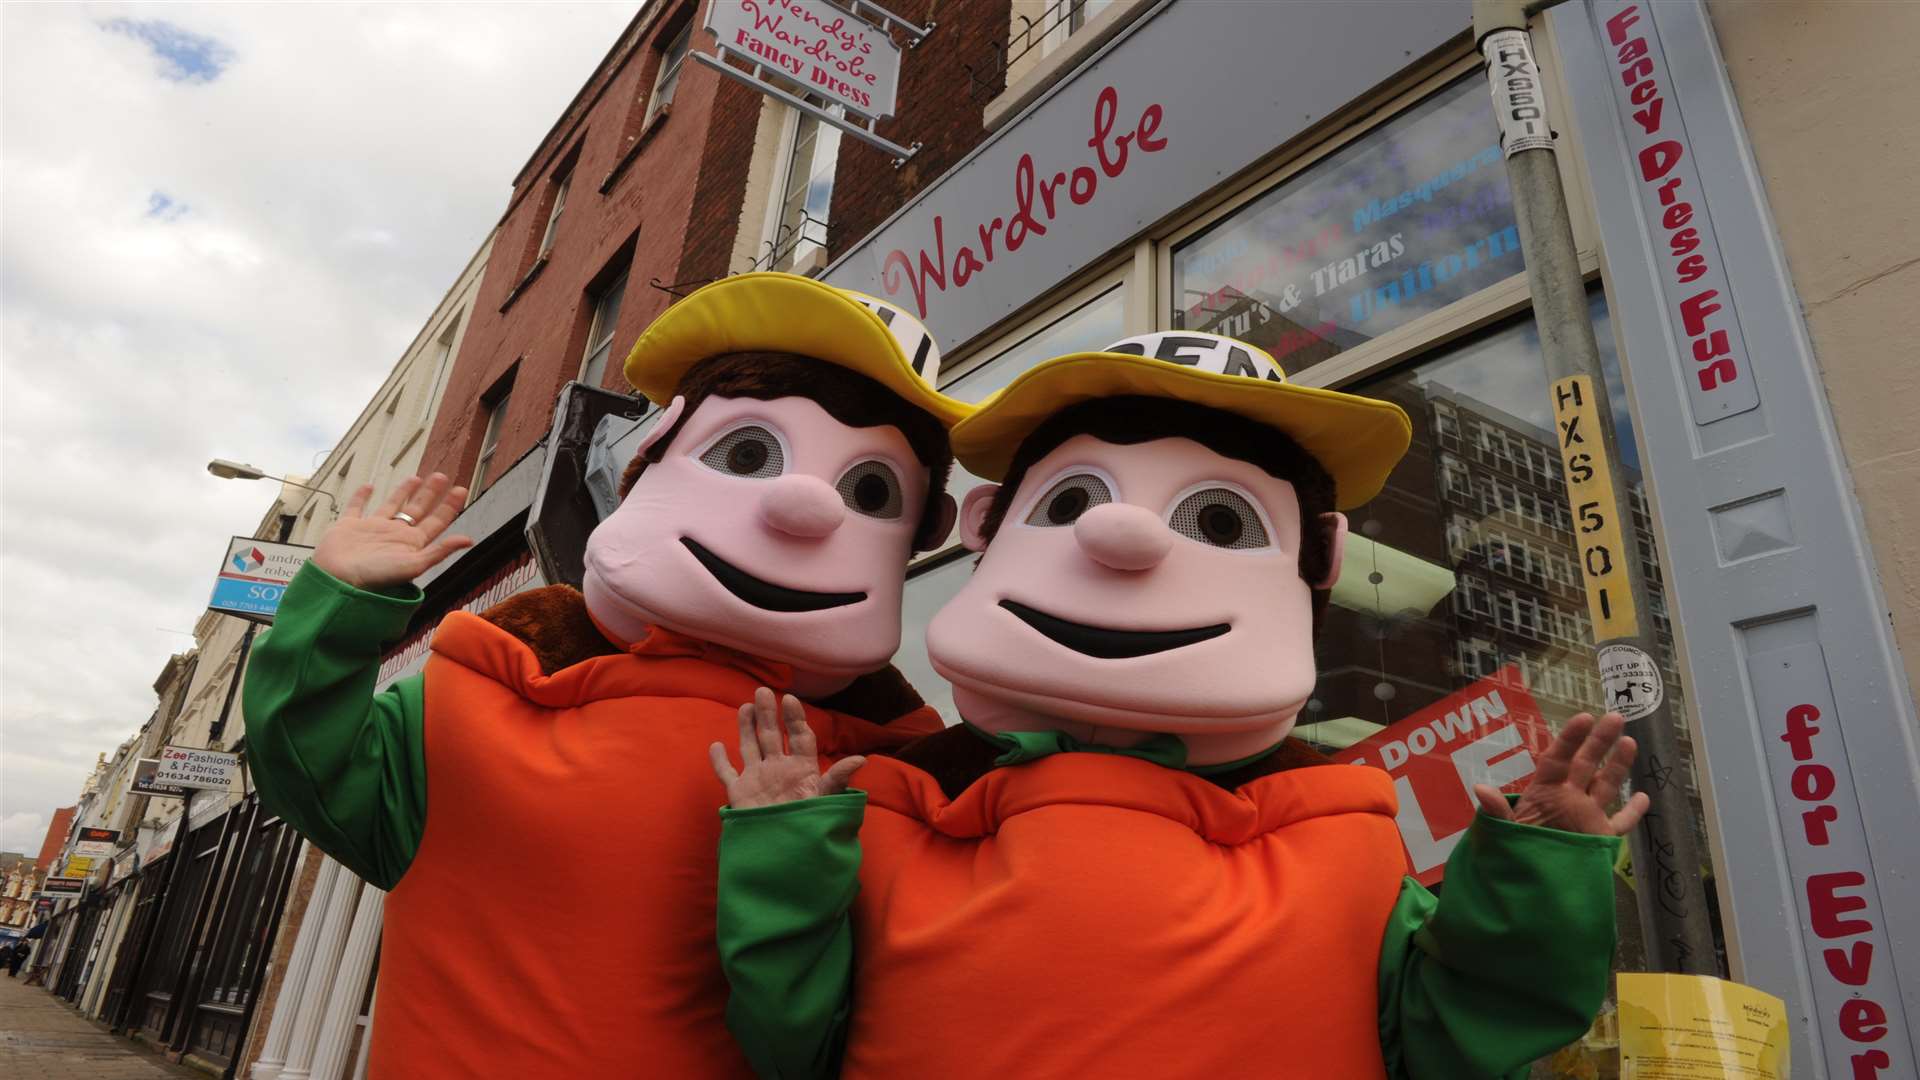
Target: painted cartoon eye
(1066, 500)
(871, 488)
(750, 451)
(1219, 517)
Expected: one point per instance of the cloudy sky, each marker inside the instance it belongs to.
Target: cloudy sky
(219, 228)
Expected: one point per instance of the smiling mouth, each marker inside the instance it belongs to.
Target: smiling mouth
(1109, 644)
(765, 594)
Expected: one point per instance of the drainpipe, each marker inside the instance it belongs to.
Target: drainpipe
(1666, 857)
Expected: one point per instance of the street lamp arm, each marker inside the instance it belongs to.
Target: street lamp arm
(233, 470)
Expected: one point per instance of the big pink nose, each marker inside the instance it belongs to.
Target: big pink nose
(1123, 537)
(803, 506)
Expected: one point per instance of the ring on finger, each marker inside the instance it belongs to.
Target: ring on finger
(402, 515)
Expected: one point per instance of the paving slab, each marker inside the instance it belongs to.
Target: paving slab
(43, 1038)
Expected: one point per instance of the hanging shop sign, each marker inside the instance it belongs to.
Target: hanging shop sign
(1488, 733)
(1693, 274)
(1857, 1003)
(805, 52)
(253, 575)
(62, 887)
(1130, 138)
(144, 783)
(1603, 546)
(78, 866)
(96, 843)
(845, 60)
(187, 767)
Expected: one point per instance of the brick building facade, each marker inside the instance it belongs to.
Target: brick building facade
(646, 195)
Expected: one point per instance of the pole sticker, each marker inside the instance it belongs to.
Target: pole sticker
(1519, 98)
(1603, 548)
(1630, 681)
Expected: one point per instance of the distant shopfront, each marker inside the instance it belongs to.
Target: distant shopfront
(1329, 184)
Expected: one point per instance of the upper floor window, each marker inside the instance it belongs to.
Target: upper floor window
(672, 58)
(1066, 18)
(805, 191)
(606, 319)
(490, 439)
(553, 216)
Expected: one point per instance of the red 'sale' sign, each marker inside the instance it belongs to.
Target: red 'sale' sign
(1488, 733)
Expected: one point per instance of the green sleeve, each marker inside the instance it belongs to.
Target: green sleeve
(347, 767)
(1509, 963)
(788, 874)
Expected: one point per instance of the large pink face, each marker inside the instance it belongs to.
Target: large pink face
(768, 527)
(1152, 588)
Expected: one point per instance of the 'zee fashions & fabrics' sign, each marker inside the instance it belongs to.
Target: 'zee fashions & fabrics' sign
(186, 767)
(1190, 94)
(827, 51)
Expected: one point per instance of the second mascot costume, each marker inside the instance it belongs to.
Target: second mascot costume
(1121, 864)
(555, 740)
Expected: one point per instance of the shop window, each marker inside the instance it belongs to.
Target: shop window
(929, 587)
(1378, 669)
(1405, 220)
(606, 319)
(1091, 324)
(672, 58)
(797, 233)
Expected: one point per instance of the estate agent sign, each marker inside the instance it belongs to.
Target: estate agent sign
(253, 575)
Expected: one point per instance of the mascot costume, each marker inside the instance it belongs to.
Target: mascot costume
(762, 540)
(1121, 864)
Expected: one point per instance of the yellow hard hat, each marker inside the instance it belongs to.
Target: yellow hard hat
(775, 312)
(1358, 440)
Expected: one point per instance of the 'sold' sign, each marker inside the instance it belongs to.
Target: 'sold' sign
(1488, 733)
(253, 575)
(186, 767)
(811, 42)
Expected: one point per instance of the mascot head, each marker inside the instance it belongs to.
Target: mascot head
(800, 459)
(1160, 543)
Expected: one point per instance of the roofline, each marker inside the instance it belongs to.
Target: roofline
(649, 9)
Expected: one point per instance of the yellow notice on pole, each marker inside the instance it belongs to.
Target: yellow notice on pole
(1691, 1027)
(1604, 552)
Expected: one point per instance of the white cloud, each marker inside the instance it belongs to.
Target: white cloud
(23, 832)
(219, 227)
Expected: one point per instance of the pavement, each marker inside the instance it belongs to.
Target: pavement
(43, 1038)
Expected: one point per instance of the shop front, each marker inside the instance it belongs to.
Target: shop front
(1330, 185)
